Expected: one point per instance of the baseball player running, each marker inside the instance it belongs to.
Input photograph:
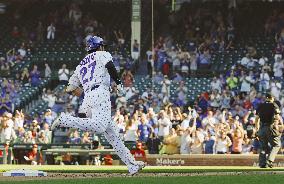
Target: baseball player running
(94, 73)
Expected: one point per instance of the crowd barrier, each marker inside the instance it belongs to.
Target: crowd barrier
(209, 160)
(84, 153)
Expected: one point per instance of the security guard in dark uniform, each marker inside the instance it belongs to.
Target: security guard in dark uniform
(268, 122)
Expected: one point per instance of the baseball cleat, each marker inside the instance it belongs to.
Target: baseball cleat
(138, 167)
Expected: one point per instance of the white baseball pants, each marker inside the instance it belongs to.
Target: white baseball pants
(97, 107)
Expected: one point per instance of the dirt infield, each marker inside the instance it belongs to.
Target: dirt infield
(55, 172)
(123, 175)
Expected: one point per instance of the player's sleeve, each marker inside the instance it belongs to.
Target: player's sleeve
(111, 69)
(74, 80)
(105, 57)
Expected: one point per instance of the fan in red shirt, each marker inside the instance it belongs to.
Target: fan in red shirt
(139, 153)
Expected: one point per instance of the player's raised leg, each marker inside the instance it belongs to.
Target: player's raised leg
(100, 114)
(84, 124)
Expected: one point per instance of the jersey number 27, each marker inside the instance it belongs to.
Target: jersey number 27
(85, 70)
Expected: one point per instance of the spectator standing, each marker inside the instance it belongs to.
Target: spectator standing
(164, 125)
(171, 143)
(47, 132)
(120, 38)
(153, 144)
(247, 145)
(181, 93)
(209, 143)
(165, 90)
(131, 131)
(246, 82)
(19, 120)
(25, 76)
(47, 71)
(185, 124)
(205, 59)
(278, 69)
(48, 117)
(275, 89)
(238, 136)
(174, 59)
(262, 60)
(144, 129)
(197, 142)
(7, 129)
(193, 64)
(152, 121)
(278, 52)
(22, 51)
(186, 141)
(264, 81)
(49, 97)
(135, 51)
(232, 82)
(63, 75)
(35, 77)
(51, 32)
(223, 143)
(216, 84)
(209, 122)
(150, 62)
(214, 99)
(185, 66)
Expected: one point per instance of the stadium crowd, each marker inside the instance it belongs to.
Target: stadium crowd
(219, 121)
(204, 32)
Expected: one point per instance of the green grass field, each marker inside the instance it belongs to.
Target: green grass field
(248, 178)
